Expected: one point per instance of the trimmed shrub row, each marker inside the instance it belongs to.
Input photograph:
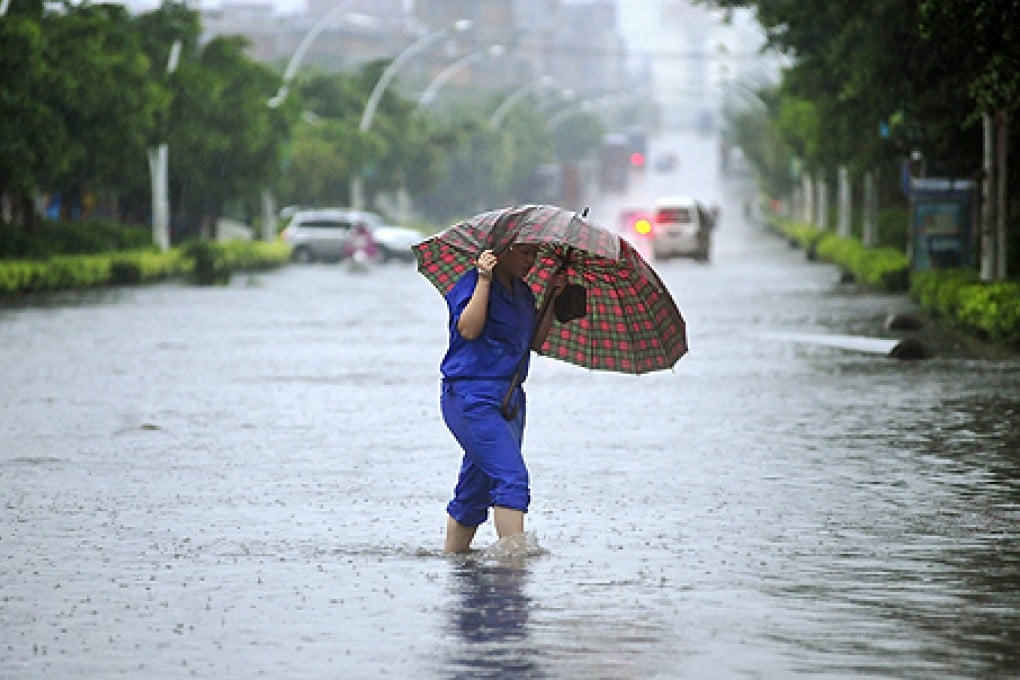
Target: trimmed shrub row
(884, 268)
(988, 310)
(62, 272)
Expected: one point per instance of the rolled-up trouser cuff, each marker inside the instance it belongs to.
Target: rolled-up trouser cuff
(513, 496)
(469, 517)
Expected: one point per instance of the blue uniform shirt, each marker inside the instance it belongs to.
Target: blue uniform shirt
(505, 338)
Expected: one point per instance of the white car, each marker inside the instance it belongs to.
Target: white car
(395, 242)
(322, 234)
(682, 227)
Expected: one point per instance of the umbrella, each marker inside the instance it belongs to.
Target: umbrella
(632, 324)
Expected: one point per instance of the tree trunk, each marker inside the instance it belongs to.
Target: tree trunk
(989, 200)
(1001, 167)
(27, 209)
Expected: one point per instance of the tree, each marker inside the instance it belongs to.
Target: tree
(979, 39)
(106, 102)
(32, 134)
(317, 171)
(401, 150)
(225, 142)
(579, 139)
(772, 133)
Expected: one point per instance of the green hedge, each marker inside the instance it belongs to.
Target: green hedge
(50, 237)
(884, 267)
(988, 310)
(804, 235)
(64, 272)
(210, 263)
(144, 265)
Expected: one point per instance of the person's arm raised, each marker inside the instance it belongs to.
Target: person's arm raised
(472, 319)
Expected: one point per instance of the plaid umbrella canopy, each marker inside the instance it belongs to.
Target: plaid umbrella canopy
(632, 324)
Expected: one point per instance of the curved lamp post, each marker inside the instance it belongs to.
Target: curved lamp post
(302, 48)
(391, 71)
(429, 95)
(564, 98)
(514, 98)
(591, 105)
(268, 199)
(561, 117)
(398, 63)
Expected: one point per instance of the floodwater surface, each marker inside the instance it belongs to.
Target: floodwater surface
(251, 480)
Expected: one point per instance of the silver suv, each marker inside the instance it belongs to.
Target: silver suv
(321, 235)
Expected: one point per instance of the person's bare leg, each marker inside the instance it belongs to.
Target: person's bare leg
(458, 536)
(509, 522)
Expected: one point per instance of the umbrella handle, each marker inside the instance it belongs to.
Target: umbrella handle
(506, 410)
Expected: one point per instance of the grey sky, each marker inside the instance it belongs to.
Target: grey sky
(637, 17)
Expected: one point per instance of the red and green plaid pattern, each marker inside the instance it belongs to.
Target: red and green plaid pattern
(632, 326)
(499, 229)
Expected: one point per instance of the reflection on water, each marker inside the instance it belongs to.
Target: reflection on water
(489, 619)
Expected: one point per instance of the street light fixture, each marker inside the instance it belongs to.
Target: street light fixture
(268, 198)
(429, 95)
(564, 98)
(592, 106)
(398, 63)
(306, 42)
(409, 52)
(586, 106)
(514, 98)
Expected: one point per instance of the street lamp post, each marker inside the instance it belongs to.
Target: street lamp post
(429, 95)
(590, 106)
(391, 71)
(564, 98)
(268, 199)
(302, 48)
(514, 98)
(561, 117)
(367, 116)
(159, 171)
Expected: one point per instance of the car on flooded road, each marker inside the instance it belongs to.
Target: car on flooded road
(682, 227)
(323, 234)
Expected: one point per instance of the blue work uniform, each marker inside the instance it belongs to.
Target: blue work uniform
(476, 376)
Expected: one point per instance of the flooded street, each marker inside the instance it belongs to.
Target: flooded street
(251, 480)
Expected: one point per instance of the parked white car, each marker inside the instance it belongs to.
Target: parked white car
(395, 242)
(321, 235)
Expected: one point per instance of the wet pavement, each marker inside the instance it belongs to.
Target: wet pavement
(250, 481)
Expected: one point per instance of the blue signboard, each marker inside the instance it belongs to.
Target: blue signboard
(940, 223)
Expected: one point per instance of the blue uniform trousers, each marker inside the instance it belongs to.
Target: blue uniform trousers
(493, 470)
